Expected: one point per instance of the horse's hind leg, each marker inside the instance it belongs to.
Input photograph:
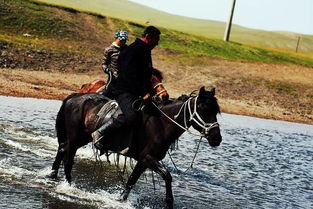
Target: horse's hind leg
(57, 162)
(70, 152)
(133, 178)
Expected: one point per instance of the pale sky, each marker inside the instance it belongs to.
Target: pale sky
(274, 15)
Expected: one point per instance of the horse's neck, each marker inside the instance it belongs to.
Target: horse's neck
(176, 127)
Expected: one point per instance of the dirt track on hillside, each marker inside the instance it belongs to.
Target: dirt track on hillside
(242, 88)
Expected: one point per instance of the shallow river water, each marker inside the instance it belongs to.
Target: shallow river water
(260, 164)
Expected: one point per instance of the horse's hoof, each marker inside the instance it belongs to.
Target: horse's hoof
(53, 175)
(124, 195)
(68, 180)
(169, 206)
(169, 203)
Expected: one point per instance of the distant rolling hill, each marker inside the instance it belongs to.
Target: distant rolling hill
(127, 10)
(42, 30)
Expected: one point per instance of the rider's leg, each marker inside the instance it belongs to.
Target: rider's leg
(129, 117)
(108, 90)
(101, 134)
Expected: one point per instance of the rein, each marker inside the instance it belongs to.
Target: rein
(193, 159)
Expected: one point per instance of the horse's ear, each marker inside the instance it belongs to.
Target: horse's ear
(202, 91)
(213, 91)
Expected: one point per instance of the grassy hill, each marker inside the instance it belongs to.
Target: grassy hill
(67, 31)
(64, 44)
(124, 9)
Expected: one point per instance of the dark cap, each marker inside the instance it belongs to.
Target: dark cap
(151, 31)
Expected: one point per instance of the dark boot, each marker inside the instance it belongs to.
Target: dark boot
(98, 136)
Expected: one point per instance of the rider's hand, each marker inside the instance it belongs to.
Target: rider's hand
(106, 70)
(147, 96)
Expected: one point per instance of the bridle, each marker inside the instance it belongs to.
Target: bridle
(159, 89)
(194, 117)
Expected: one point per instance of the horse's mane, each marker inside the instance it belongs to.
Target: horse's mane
(210, 99)
(183, 98)
(172, 101)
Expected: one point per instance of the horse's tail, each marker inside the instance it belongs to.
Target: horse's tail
(60, 122)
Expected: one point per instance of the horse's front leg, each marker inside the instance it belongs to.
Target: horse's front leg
(157, 167)
(133, 178)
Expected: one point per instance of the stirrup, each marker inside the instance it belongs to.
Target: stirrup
(124, 151)
(96, 140)
(98, 144)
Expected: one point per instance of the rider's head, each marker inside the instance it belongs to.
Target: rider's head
(121, 36)
(151, 36)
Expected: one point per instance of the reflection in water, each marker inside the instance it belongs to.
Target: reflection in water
(260, 164)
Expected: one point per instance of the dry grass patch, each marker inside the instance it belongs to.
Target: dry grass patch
(256, 89)
(262, 90)
(41, 84)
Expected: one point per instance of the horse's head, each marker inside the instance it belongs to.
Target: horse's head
(204, 117)
(159, 89)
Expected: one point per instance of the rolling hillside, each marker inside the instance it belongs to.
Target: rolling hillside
(124, 9)
(66, 31)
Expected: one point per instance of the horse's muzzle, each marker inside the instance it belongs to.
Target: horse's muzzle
(214, 138)
(214, 143)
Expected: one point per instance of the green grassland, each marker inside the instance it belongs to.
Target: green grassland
(130, 11)
(67, 30)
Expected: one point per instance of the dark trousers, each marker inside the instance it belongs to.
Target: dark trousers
(129, 117)
(108, 90)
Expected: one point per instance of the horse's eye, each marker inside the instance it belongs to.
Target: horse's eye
(201, 106)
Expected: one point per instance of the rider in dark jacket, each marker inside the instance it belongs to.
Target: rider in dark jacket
(133, 82)
(135, 66)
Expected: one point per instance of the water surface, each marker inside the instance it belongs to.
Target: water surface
(260, 164)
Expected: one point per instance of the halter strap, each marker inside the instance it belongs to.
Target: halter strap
(197, 119)
(157, 85)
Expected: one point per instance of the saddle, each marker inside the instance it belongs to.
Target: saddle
(121, 140)
(108, 112)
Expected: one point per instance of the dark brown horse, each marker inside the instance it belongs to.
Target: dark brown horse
(151, 140)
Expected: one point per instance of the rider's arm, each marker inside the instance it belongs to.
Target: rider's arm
(106, 60)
